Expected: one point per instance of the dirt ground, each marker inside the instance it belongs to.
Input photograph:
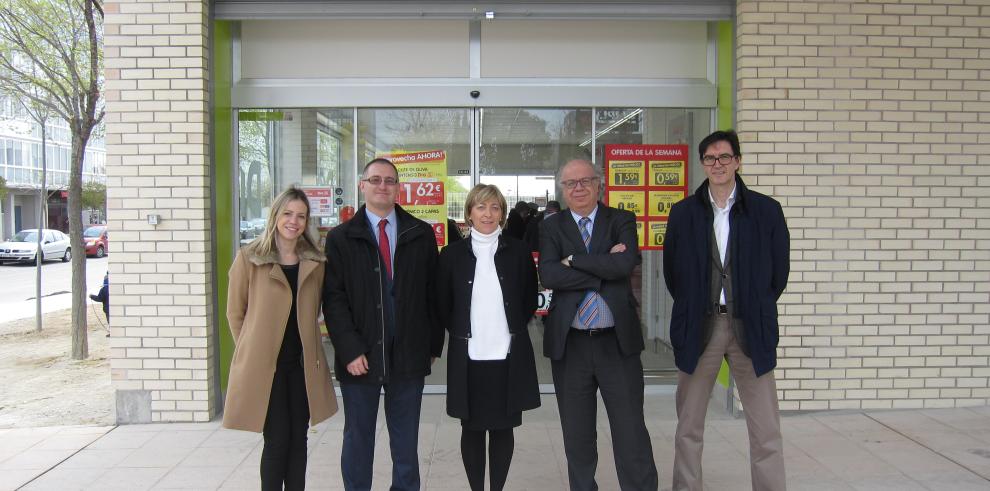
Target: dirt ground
(41, 385)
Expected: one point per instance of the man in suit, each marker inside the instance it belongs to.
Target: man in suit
(593, 336)
(378, 303)
(725, 263)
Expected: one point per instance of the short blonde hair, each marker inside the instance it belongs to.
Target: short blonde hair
(482, 193)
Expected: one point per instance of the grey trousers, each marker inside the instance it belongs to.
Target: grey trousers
(759, 400)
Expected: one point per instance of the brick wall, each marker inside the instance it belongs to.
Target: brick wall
(870, 122)
(158, 162)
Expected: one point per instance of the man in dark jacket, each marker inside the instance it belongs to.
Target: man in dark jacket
(378, 306)
(593, 336)
(725, 263)
(532, 236)
(515, 223)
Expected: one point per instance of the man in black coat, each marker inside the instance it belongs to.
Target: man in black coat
(515, 224)
(593, 335)
(378, 305)
(725, 263)
(532, 236)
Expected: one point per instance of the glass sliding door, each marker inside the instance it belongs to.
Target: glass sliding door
(520, 150)
(654, 126)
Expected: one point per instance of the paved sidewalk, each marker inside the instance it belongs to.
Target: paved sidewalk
(936, 449)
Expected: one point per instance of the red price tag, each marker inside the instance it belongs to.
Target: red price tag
(421, 193)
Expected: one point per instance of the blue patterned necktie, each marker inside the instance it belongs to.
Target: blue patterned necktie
(589, 313)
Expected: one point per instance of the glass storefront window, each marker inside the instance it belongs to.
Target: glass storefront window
(309, 148)
(517, 149)
(522, 148)
(388, 131)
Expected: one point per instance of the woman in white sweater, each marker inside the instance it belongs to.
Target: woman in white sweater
(487, 291)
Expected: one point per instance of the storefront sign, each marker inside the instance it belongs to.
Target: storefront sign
(320, 200)
(646, 180)
(421, 190)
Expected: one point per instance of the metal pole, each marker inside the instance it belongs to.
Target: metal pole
(42, 205)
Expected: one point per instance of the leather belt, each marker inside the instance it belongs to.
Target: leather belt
(593, 332)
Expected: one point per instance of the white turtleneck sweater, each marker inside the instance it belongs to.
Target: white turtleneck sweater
(489, 328)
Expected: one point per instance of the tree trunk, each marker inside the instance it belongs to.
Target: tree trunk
(80, 339)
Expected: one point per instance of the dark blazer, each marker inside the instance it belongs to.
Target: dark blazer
(759, 245)
(517, 276)
(352, 299)
(606, 273)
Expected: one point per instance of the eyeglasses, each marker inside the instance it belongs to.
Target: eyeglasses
(585, 182)
(724, 159)
(376, 180)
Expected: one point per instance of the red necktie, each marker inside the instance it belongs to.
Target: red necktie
(383, 247)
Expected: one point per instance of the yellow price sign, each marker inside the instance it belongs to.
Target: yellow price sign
(661, 201)
(640, 233)
(657, 232)
(626, 173)
(667, 173)
(634, 201)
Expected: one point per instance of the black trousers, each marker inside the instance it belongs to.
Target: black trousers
(283, 459)
(590, 364)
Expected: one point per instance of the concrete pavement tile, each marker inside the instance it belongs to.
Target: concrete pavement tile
(11, 479)
(216, 457)
(231, 438)
(976, 460)
(187, 440)
(185, 477)
(35, 459)
(962, 419)
(803, 485)
(96, 458)
(886, 484)
(155, 457)
(129, 478)
(65, 478)
(61, 441)
(85, 430)
(118, 439)
(973, 483)
(323, 477)
(243, 477)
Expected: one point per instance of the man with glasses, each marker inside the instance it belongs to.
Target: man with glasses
(593, 336)
(725, 263)
(377, 302)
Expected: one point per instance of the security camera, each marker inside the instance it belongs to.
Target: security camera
(475, 94)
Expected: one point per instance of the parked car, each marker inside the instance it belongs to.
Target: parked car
(97, 240)
(23, 246)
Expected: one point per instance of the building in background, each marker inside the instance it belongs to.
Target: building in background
(867, 120)
(20, 166)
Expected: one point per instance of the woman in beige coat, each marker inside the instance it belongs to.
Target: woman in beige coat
(279, 380)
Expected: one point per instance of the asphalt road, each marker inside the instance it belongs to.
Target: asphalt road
(17, 287)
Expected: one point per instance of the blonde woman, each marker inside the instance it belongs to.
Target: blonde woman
(279, 380)
(486, 297)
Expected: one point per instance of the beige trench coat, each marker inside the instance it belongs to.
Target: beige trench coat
(258, 303)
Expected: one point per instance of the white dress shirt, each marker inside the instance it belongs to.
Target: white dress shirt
(721, 225)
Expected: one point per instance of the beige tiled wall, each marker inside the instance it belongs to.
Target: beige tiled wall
(158, 162)
(870, 122)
